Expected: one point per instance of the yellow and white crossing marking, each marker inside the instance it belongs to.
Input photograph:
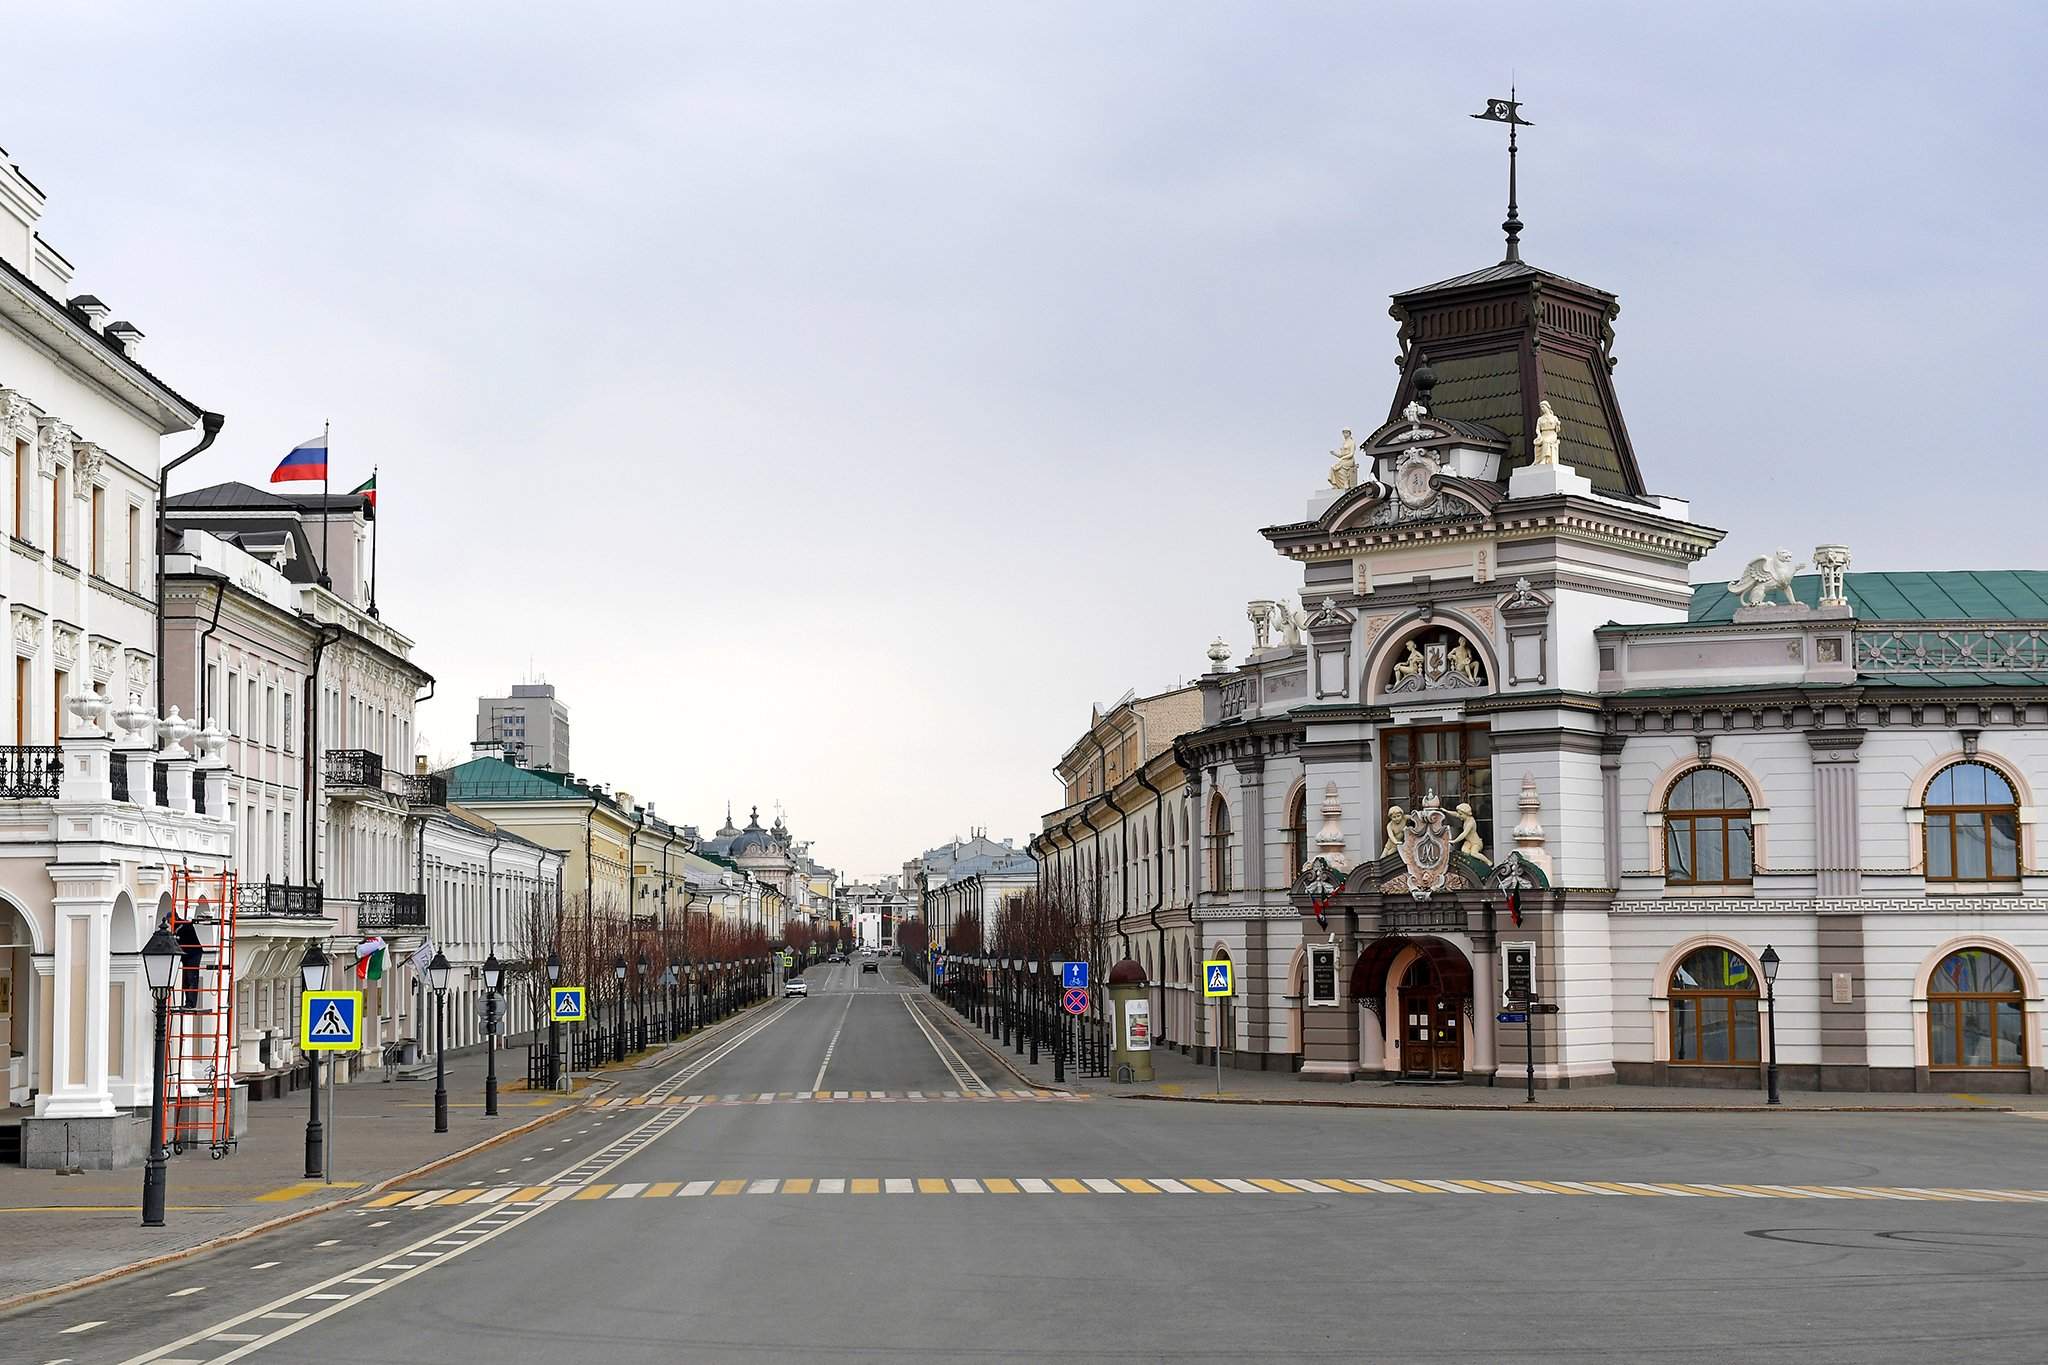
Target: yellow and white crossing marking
(1350, 1186)
(844, 1097)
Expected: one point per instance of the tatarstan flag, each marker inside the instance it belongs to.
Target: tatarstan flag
(368, 488)
(370, 959)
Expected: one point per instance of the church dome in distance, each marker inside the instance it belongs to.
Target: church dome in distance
(753, 839)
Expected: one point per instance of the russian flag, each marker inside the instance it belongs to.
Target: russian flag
(308, 460)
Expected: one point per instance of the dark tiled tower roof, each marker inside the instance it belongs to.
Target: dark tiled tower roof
(1503, 339)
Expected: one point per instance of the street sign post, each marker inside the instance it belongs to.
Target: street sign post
(1074, 975)
(1512, 1017)
(331, 1021)
(1075, 1000)
(1218, 981)
(566, 1004)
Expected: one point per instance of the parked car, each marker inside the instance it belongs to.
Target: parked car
(796, 986)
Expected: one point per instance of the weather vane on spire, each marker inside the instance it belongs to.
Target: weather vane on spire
(1508, 112)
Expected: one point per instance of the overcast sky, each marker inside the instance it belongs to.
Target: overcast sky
(835, 400)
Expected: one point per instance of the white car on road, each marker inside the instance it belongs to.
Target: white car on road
(795, 986)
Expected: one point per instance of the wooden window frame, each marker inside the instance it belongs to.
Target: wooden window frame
(1954, 1001)
(1297, 834)
(1415, 770)
(1948, 814)
(1692, 819)
(1724, 998)
(1219, 845)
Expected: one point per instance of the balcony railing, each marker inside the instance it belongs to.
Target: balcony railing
(281, 900)
(392, 910)
(426, 789)
(30, 771)
(355, 768)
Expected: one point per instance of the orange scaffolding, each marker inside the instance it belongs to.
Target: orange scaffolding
(199, 1045)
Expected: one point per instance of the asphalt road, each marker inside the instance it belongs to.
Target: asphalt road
(909, 1216)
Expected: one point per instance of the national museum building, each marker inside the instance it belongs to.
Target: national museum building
(1501, 679)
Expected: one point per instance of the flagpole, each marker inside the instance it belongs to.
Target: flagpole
(1514, 223)
(373, 544)
(326, 454)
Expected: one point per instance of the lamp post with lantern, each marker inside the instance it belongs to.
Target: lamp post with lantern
(313, 976)
(619, 1009)
(437, 977)
(159, 965)
(554, 969)
(1770, 965)
(494, 977)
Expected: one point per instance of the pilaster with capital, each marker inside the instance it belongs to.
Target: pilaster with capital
(79, 980)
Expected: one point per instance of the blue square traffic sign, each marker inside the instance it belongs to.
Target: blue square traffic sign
(1074, 975)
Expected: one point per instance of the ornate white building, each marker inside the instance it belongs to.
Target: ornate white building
(1500, 675)
(96, 833)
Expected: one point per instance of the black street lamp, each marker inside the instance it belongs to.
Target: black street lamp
(689, 997)
(668, 985)
(313, 975)
(1017, 1003)
(1770, 962)
(159, 964)
(554, 1028)
(1031, 970)
(619, 986)
(437, 977)
(494, 977)
(642, 1001)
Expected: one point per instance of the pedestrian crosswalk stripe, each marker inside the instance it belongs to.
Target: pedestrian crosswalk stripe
(1352, 1188)
(842, 1097)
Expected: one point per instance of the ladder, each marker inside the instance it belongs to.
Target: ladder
(199, 1045)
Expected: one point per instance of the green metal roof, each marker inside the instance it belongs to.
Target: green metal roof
(1950, 595)
(493, 779)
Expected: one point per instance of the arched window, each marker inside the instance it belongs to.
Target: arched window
(1297, 833)
(1973, 825)
(1219, 844)
(1713, 1009)
(1976, 1012)
(1706, 830)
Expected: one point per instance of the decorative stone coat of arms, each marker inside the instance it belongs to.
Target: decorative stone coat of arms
(1426, 845)
(1445, 662)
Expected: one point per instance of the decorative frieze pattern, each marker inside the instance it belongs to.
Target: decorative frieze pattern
(1838, 905)
(1973, 650)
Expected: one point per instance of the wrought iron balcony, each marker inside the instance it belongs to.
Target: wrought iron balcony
(350, 771)
(30, 771)
(392, 910)
(426, 789)
(282, 900)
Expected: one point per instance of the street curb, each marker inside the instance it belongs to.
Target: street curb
(286, 1220)
(962, 1026)
(1770, 1110)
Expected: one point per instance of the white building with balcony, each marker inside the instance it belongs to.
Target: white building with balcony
(93, 838)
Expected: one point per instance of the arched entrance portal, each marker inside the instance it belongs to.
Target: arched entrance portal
(1422, 988)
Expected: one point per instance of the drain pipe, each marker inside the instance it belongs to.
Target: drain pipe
(220, 594)
(209, 428)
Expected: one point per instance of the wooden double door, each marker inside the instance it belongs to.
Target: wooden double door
(1432, 1026)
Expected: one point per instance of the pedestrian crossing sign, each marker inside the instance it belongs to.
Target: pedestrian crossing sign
(331, 1021)
(565, 1004)
(1216, 977)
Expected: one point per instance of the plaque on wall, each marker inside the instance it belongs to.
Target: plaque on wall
(1322, 974)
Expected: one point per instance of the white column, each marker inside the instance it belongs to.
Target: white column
(78, 1045)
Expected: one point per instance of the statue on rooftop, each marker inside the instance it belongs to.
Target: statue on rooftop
(1765, 575)
(1547, 427)
(1344, 473)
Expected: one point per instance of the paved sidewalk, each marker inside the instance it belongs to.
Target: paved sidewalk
(1178, 1078)
(67, 1227)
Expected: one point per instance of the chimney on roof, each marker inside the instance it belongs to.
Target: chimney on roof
(126, 335)
(91, 310)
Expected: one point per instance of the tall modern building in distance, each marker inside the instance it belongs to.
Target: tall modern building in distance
(531, 724)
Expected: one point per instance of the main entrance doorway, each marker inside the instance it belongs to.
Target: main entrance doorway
(1432, 1024)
